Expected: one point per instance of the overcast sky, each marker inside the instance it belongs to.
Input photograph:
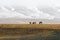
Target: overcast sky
(30, 3)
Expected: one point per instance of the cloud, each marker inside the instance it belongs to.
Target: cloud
(34, 13)
(27, 3)
(40, 14)
(24, 12)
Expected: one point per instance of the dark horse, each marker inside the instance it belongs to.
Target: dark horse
(32, 22)
(40, 22)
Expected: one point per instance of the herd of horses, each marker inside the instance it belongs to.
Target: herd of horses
(35, 22)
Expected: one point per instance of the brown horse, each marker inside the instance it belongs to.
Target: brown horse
(34, 22)
(30, 23)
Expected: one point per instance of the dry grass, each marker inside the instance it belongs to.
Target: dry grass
(7, 30)
(40, 26)
(21, 32)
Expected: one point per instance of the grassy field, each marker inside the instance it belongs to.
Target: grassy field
(23, 32)
(40, 26)
(12, 30)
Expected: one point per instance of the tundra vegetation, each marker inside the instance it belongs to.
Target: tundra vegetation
(11, 30)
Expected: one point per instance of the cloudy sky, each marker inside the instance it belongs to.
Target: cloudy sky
(30, 4)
